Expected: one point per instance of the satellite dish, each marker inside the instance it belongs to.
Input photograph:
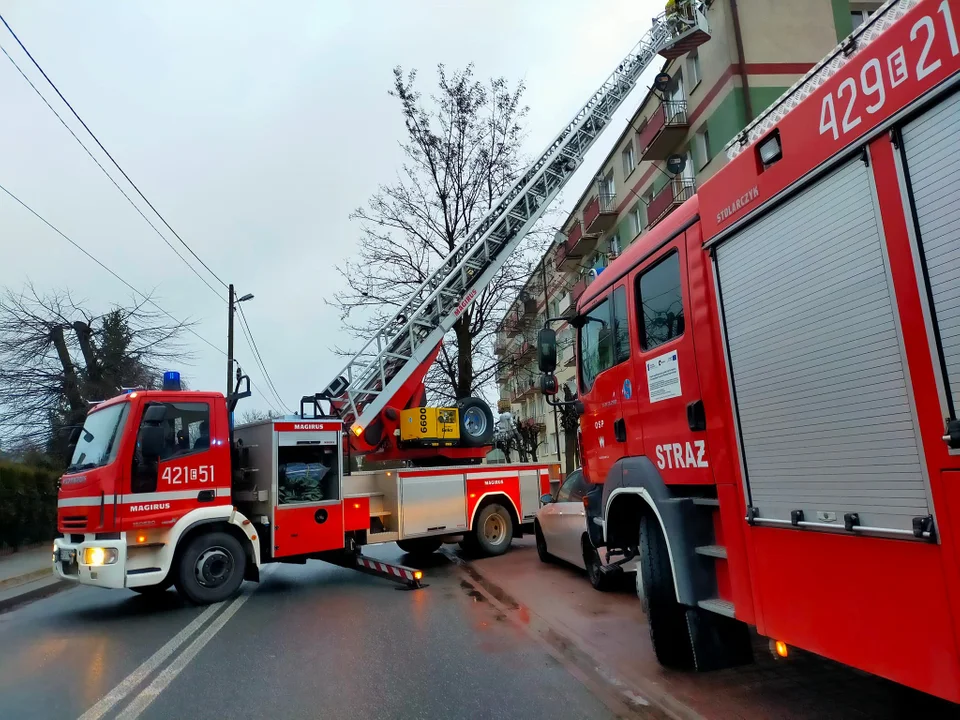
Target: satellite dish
(676, 164)
(662, 81)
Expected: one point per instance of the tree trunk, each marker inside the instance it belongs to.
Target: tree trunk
(85, 339)
(71, 386)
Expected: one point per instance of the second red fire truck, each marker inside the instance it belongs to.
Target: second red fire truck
(769, 378)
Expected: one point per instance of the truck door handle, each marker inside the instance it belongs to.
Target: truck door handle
(206, 496)
(620, 430)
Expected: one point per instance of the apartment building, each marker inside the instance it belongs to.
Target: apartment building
(757, 50)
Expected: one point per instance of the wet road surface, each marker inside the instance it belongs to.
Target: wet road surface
(310, 641)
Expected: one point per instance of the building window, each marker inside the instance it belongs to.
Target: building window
(660, 300)
(629, 160)
(607, 188)
(615, 245)
(693, 69)
(638, 218)
(859, 17)
(701, 146)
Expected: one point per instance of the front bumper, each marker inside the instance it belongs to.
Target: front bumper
(68, 562)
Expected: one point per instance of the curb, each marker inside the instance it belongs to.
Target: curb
(26, 578)
(32, 594)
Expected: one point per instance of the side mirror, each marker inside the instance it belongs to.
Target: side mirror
(547, 350)
(154, 414)
(151, 440)
(546, 499)
(549, 384)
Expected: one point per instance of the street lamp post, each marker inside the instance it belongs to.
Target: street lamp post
(233, 302)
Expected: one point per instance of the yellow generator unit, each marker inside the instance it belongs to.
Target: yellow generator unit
(430, 427)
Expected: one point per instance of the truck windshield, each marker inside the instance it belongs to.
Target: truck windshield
(100, 438)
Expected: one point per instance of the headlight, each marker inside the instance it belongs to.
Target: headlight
(99, 556)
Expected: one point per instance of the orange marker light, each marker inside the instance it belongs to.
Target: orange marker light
(781, 648)
(357, 430)
(417, 575)
(253, 537)
(141, 538)
(473, 495)
(356, 506)
(132, 395)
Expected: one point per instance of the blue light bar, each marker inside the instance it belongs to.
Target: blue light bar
(171, 380)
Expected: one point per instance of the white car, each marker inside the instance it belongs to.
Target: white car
(561, 531)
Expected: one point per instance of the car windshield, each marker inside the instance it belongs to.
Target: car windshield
(100, 438)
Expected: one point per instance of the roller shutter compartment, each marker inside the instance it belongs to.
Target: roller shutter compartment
(929, 146)
(826, 422)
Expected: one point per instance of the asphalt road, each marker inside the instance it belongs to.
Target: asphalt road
(309, 641)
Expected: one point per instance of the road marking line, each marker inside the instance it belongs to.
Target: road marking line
(146, 696)
(130, 683)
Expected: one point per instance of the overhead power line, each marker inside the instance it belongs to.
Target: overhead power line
(105, 151)
(146, 298)
(252, 343)
(248, 332)
(109, 176)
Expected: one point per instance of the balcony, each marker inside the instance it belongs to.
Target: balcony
(600, 214)
(664, 131)
(672, 196)
(525, 387)
(569, 254)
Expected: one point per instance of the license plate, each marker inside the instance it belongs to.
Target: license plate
(66, 555)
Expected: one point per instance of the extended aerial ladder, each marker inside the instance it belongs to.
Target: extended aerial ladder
(386, 375)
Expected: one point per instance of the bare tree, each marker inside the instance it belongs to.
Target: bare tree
(57, 357)
(461, 152)
(252, 416)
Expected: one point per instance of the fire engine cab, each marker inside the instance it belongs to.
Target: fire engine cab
(770, 377)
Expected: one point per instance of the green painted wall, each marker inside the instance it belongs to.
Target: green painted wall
(730, 116)
(841, 18)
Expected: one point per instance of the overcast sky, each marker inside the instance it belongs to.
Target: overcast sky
(255, 128)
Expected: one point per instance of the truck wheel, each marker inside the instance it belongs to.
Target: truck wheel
(493, 529)
(211, 568)
(476, 422)
(421, 546)
(591, 561)
(541, 544)
(666, 617)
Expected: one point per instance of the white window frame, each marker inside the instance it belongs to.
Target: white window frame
(701, 140)
(628, 154)
(694, 74)
(638, 217)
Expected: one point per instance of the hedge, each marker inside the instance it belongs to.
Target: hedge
(28, 504)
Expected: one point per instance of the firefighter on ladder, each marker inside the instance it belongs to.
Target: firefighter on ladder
(678, 15)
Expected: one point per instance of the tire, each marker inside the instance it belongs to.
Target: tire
(493, 530)
(666, 617)
(544, 556)
(591, 560)
(211, 568)
(421, 546)
(476, 422)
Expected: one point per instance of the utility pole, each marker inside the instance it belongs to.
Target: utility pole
(546, 312)
(230, 342)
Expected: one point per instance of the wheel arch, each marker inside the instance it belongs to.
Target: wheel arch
(232, 525)
(497, 496)
(633, 488)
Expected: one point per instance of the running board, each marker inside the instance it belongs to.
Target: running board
(617, 566)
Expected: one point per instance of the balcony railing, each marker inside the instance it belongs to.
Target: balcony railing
(569, 254)
(600, 214)
(664, 131)
(670, 198)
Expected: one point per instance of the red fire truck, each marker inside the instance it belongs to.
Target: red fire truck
(769, 377)
(163, 490)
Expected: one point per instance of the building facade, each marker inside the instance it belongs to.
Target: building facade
(756, 51)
